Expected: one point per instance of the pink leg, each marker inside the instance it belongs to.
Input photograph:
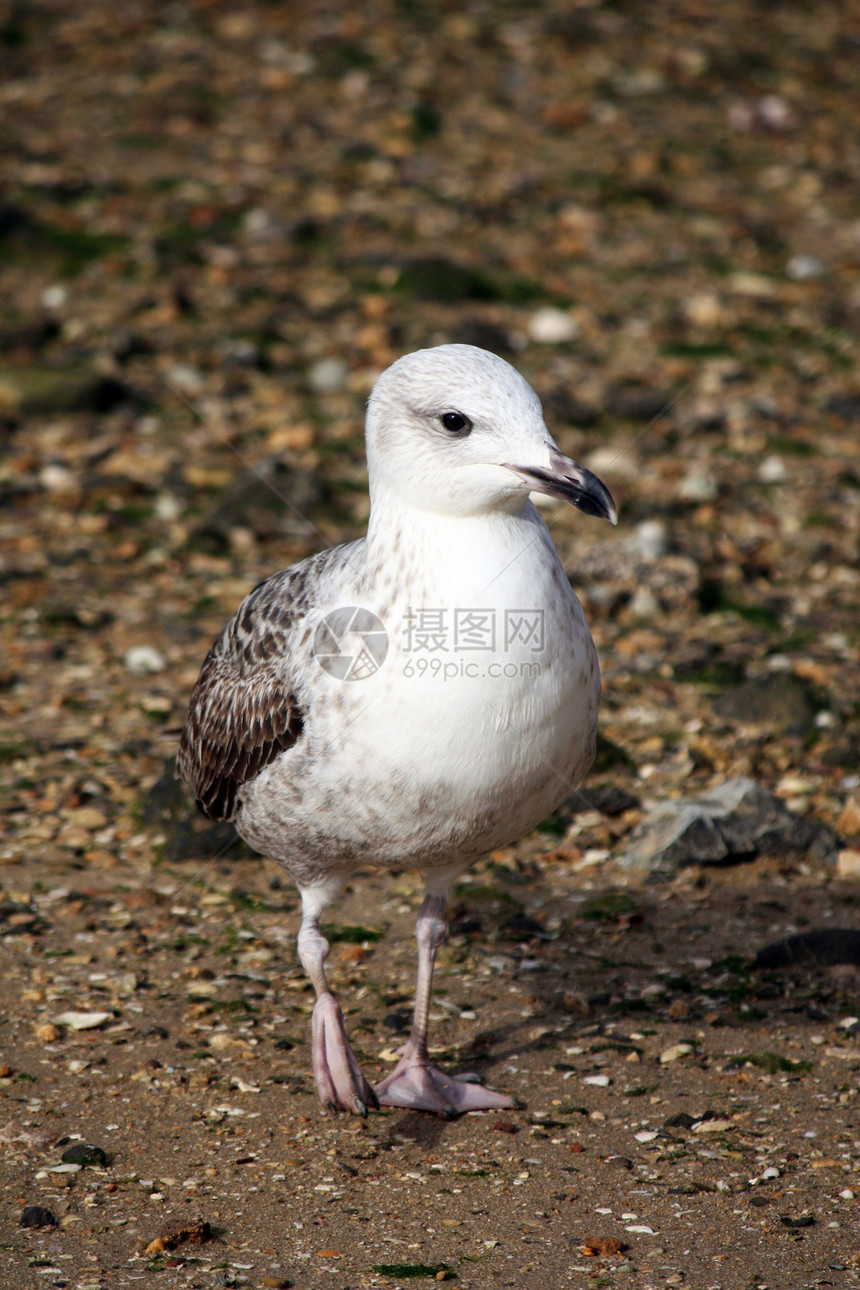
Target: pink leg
(415, 1082)
(337, 1075)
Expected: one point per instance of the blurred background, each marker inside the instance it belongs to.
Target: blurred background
(220, 222)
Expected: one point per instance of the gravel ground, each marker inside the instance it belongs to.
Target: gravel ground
(217, 224)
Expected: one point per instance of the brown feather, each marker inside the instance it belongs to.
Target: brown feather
(242, 713)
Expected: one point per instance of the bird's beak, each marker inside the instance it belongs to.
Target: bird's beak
(570, 483)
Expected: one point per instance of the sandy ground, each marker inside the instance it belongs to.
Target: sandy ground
(218, 223)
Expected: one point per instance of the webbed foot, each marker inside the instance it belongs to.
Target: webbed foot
(337, 1074)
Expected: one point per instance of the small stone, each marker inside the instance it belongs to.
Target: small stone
(599, 1081)
(602, 1247)
(676, 1051)
(80, 1153)
(328, 375)
(805, 1220)
(737, 819)
(37, 1216)
(848, 863)
(650, 539)
(83, 1020)
(846, 1194)
(772, 470)
(57, 479)
(698, 486)
(848, 823)
(774, 113)
(551, 326)
(88, 817)
(645, 1135)
(47, 1032)
(644, 604)
(681, 1120)
(142, 660)
(704, 309)
(185, 378)
(155, 704)
(55, 296)
(755, 285)
(195, 1233)
(805, 268)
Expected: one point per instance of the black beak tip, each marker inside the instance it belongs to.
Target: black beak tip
(598, 501)
(573, 484)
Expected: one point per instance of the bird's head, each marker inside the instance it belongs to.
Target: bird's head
(456, 430)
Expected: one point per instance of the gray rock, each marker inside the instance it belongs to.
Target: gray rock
(81, 1153)
(736, 821)
(37, 1216)
(823, 946)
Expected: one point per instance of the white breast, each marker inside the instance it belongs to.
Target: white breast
(479, 721)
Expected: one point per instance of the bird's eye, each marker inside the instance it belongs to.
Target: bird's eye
(455, 423)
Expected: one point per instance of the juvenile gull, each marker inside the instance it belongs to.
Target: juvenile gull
(415, 699)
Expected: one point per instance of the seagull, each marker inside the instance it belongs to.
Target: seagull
(415, 699)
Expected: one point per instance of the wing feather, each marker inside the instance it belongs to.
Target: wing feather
(243, 712)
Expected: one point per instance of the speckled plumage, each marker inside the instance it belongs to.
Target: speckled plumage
(433, 758)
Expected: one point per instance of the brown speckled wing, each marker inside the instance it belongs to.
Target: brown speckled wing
(243, 712)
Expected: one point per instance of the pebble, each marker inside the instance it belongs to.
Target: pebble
(677, 1050)
(37, 1216)
(328, 375)
(81, 1153)
(56, 478)
(805, 268)
(185, 378)
(848, 863)
(848, 822)
(775, 113)
(47, 1032)
(704, 309)
(737, 818)
(772, 470)
(712, 1126)
(551, 326)
(142, 660)
(54, 296)
(599, 1081)
(88, 817)
(698, 486)
(643, 603)
(83, 1020)
(650, 539)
